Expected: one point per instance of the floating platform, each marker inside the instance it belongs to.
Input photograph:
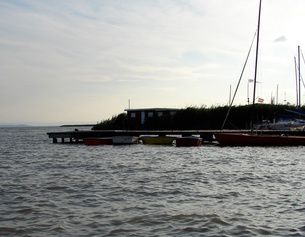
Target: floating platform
(77, 136)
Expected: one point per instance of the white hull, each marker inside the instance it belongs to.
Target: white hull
(289, 125)
(121, 140)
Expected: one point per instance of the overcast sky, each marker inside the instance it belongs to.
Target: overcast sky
(80, 61)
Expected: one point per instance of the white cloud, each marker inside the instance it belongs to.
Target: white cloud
(280, 39)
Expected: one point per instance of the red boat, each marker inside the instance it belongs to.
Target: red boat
(188, 141)
(243, 139)
(94, 141)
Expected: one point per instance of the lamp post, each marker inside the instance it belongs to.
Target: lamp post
(249, 81)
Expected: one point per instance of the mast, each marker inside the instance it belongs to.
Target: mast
(230, 95)
(299, 66)
(296, 81)
(256, 62)
(277, 94)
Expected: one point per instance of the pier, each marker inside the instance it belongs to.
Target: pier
(77, 136)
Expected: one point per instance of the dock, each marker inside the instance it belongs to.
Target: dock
(77, 136)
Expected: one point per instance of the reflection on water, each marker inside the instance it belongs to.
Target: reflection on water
(145, 190)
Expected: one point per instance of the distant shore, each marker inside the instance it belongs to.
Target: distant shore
(77, 125)
(13, 125)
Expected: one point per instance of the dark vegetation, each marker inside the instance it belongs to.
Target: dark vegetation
(202, 118)
(118, 122)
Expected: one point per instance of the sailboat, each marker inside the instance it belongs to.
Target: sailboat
(254, 139)
(292, 121)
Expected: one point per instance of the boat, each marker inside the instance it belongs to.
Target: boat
(283, 125)
(252, 138)
(245, 139)
(124, 140)
(94, 141)
(158, 140)
(285, 122)
(188, 141)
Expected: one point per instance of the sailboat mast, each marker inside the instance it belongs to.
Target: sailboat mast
(296, 81)
(299, 104)
(256, 62)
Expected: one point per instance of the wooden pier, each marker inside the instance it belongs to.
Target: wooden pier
(77, 136)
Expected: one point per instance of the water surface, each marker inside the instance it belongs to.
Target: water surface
(147, 190)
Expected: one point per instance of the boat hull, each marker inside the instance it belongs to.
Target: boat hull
(243, 139)
(95, 141)
(288, 125)
(124, 140)
(188, 141)
(158, 140)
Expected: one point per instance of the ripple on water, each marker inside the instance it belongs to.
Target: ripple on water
(76, 190)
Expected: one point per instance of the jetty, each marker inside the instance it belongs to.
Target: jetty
(77, 136)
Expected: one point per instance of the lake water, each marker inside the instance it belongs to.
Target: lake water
(145, 190)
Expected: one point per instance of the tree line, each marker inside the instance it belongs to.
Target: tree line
(203, 118)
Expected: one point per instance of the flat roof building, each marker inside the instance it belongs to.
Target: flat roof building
(149, 118)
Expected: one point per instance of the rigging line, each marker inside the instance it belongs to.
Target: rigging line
(241, 75)
(304, 63)
(303, 57)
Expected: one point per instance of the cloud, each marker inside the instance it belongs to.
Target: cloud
(280, 39)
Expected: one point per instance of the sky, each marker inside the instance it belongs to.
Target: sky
(80, 61)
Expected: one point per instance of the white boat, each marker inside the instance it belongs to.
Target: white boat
(122, 140)
(285, 125)
(297, 125)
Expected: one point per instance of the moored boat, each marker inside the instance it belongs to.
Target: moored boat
(288, 125)
(158, 140)
(122, 140)
(188, 141)
(243, 139)
(95, 141)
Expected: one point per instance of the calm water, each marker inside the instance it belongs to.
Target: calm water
(144, 190)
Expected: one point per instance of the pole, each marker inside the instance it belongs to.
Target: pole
(230, 95)
(256, 62)
(248, 100)
(299, 66)
(277, 94)
(296, 81)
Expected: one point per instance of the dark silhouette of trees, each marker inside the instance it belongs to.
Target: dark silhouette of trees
(202, 118)
(117, 122)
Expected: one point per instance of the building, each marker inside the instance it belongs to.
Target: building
(150, 118)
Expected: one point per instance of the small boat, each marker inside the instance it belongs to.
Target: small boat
(122, 140)
(157, 140)
(188, 141)
(94, 141)
(243, 139)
